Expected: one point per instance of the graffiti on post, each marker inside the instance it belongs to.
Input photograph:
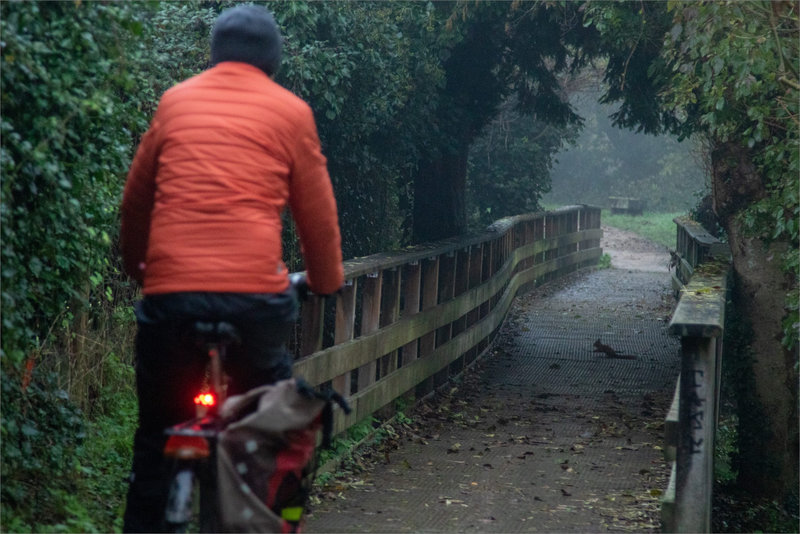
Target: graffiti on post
(696, 411)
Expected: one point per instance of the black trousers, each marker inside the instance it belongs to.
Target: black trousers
(170, 369)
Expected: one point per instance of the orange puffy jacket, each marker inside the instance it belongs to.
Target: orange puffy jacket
(225, 152)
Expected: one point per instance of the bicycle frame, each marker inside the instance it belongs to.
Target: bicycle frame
(192, 444)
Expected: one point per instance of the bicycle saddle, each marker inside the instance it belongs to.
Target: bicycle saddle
(216, 332)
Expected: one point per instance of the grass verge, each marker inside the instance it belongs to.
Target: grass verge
(657, 227)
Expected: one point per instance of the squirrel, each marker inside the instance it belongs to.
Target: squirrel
(674, 260)
(611, 353)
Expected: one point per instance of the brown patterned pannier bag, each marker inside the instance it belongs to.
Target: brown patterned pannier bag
(266, 455)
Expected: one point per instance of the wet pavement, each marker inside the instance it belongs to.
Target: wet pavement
(540, 435)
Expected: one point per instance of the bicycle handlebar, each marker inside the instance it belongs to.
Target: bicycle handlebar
(299, 282)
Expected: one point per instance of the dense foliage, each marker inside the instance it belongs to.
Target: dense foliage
(70, 105)
(66, 128)
(370, 72)
(509, 165)
(742, 86)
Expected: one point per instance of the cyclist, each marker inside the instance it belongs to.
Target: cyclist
(226, 152)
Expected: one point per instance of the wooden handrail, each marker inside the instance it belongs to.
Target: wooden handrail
(407, 320)
(694, 244)
(690, 427)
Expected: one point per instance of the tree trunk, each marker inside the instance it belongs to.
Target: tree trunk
(440, 188)
(767, 400)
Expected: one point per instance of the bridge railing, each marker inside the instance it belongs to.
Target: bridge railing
(406, 321)
(701, 279)
(695, 245)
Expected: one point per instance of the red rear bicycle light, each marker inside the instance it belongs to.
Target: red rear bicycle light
(187, 447)
(205, 399)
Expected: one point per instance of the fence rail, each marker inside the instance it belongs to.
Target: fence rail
(406, 321)
(701, 280)
(695, 245)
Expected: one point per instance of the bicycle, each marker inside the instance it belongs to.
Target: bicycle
(192, 445)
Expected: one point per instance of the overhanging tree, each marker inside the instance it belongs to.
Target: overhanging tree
(498, 49)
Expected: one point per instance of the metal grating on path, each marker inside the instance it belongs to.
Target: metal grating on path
(542, 435)
(555, 355)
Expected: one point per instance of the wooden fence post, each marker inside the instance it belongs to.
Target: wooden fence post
(475, 278)
(695, 452)
(461, 284)
(370, 322)
(486, 274)
(430, 297)
(447, 286)
(312, 317)
(390, 311)
(412, 298)
(345, 329)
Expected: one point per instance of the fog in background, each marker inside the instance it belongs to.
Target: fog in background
(608, 161)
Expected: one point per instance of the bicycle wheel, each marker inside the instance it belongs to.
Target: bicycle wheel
(179, 512)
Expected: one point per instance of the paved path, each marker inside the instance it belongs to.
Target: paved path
(542, 435)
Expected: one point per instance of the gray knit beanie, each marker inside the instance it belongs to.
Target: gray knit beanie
(249, 34)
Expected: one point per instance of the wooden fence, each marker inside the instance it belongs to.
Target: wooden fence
(701, 281)
(406, 321)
